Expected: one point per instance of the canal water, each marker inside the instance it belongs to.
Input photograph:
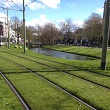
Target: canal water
(55, 53)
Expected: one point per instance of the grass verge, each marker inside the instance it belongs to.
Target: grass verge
(96, 95)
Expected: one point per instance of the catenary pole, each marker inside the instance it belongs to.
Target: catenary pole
(105, 35)
(8, 30)
(5, 31)
(24, 29)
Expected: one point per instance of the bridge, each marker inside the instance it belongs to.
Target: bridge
(33, 44)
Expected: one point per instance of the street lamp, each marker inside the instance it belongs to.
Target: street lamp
(8, 30)
(24, 29)
(105, 34)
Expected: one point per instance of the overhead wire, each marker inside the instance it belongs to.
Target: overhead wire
(30, 3)
(25, 5)
(3, 6)
(16, 5)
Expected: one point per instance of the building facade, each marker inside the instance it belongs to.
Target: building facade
(6, 32)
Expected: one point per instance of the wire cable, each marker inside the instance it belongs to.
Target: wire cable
(16, 5)
(30, 3)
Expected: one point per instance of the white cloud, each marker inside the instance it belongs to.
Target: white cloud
(71, 5)
(99, 10)
(18, 3)
(2, 14)
(35, 6)
(60, 20)
(9, 3)
(51, 3)
(41, 21)
(32, 5)
(79, 23)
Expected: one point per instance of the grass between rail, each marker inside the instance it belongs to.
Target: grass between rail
(8, 100)
(39, 94)
(27, 83)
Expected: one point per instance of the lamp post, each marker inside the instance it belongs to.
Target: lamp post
(24, 29)
(105, 34)
(8, 30)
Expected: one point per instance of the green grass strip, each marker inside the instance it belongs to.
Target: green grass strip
(94, 94)
(39, 94)
(8, 100)
(38, 67)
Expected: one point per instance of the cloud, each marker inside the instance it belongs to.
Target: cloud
(51, 3)
(32, 5)
(35, 21)
(35, 6)
(42, 20)
(60, 20)
(99, 10)
(19, 3)
(2, 14)
(79, 23)
(10, 3)
(71, 5)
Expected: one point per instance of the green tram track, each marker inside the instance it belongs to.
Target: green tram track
(46, 62)
(41, 74)
(26, 105)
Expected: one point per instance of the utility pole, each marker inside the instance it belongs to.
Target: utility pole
(105, 34)
(8, 33)
(17, 34)
(8, 30)
(24, 29)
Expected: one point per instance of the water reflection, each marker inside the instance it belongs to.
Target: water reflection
(59, 54)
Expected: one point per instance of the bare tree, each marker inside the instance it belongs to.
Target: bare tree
(78, 34)
(16, 25)
(67, 27)
(49, 33)
(93, 28)
(30, 34)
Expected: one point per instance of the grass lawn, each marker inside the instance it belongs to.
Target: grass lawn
(42, 96)
(39, 94)
(8, 100)
(91, 65)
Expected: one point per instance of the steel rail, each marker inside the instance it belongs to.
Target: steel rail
(55, 85)
(65, 71)
(61, 63)
(24, 103)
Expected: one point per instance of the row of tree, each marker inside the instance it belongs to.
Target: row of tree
(90, 33)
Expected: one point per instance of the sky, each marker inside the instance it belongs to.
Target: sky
(55, 11)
